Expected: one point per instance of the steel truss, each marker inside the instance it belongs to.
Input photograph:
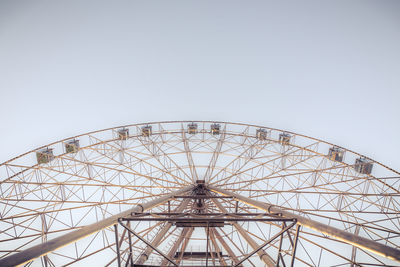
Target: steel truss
(207, 221)
(73, 202)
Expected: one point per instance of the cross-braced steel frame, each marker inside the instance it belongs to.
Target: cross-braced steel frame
(199, 218)
(196, 194)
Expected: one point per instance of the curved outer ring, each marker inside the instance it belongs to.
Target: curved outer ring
(186, 121)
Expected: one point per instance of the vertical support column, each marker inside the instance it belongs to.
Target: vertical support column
(117, 244)
(280, 246)
(296, 239)
(130, 258)
(207, 234)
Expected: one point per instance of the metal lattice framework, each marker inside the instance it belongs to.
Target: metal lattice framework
(74, 202)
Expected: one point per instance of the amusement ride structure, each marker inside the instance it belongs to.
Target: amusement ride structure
(197, 193)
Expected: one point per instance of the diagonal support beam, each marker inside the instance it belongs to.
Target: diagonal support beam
(187, 231)
(349, 238)
(163, 232)
(267, 242)
(34, 252)
(147, 243)
(262, 253)
(184, 245)
(217, 249)
(231, 254)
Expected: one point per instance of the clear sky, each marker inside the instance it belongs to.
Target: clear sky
(330, 70)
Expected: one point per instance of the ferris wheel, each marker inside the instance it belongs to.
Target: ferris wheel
(197, 193)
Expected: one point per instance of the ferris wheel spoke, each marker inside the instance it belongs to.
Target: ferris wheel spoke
(328, 201)
(139, 161)
(247, 159)
(189, 156)
(262, 164)
(82, 257)
(38, 211)
(277, 174)
(148, 142)
(215, 155)
(274, 172)
(42, 210)
(163, 168)
(42, 185)
(128, 171)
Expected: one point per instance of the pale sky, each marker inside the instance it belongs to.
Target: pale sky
(330, 70)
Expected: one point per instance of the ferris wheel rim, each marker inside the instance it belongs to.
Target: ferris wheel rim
(198, 121)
